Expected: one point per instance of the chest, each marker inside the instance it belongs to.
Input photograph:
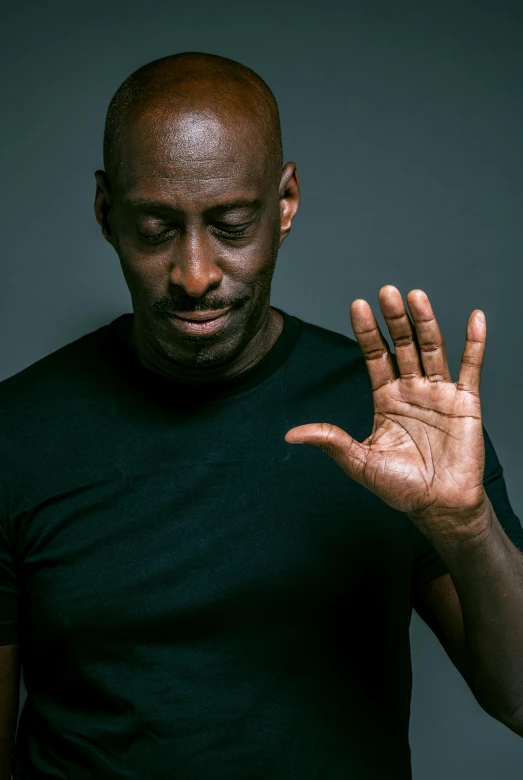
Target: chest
(180, 530)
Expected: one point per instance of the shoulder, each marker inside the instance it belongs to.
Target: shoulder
(48, 379)
(315, 336)
(330, 357)
(327, 379)
(327, 347)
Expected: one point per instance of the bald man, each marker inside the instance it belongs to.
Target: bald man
(189, 595)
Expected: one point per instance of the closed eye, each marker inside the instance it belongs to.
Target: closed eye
(159, 237)
(231, 231)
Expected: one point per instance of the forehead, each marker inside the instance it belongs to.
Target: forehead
(194, 156)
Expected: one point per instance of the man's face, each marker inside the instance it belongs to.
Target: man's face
(197, 217)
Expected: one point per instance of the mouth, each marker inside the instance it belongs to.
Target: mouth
(200, 323)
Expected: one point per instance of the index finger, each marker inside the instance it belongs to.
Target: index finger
(428, 334)
(374, 347)
(474, 353)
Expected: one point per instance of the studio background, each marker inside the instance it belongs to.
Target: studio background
(405, 121)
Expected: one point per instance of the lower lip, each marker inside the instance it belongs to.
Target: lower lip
(203, 328)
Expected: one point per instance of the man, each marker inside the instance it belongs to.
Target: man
(190, 595)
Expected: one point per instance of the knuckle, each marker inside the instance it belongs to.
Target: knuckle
(403, 341)
(396, 317)
(366, 331)
(330, 439)
(375, 354)
(428, 347)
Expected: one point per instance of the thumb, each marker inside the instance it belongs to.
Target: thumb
(335, 442)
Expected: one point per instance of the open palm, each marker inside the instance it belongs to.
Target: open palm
(425, 454)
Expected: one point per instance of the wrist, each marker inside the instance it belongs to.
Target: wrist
(456, 524)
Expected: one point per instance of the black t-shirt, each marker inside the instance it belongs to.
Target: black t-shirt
(195, 598)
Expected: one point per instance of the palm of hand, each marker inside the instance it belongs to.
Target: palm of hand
(425, 450)
(425, 454)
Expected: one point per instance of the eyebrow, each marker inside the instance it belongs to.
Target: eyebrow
(219, 208)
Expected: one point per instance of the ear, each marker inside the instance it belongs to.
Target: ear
(289, 199)
(102, 203)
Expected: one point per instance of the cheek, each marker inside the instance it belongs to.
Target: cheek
(251, 266)
(144, 274)
(260, 255)
(139, 264)
(250, 263)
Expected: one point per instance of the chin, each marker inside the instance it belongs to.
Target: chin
(199, 352)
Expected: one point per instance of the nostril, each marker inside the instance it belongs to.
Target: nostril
(195, 272)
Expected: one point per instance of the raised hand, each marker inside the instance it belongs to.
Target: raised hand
(425, 454)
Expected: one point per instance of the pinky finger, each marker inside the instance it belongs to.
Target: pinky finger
(473, 354)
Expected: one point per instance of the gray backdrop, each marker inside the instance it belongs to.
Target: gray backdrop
(406, 124)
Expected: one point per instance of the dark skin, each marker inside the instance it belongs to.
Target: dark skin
(10, 670)
(425, 457)
(197, 218)
(190, 161)
(204, 179)
(190, 165)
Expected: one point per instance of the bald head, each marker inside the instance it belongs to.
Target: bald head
(196, 203)
(214, 95)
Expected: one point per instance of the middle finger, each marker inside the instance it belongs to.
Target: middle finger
(401, 332)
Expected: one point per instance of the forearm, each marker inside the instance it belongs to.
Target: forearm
(487, 571)
(9, 701)
(5, 762)
(7, 737)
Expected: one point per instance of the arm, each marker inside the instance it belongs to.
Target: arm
(425, 457)
(9, 698)
(476, 612)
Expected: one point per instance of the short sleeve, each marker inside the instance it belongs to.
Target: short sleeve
(9, 589)
(426, 563)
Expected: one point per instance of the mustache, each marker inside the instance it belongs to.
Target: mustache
(167, 305)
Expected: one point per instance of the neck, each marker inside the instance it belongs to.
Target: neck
(155, 359)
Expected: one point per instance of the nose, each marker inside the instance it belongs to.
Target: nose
(195, 269)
